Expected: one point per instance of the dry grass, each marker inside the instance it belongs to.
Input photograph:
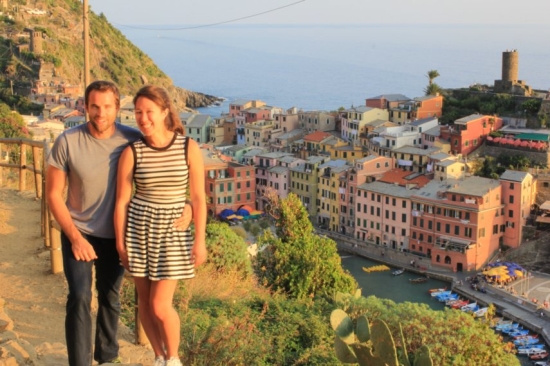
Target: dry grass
(223, 286)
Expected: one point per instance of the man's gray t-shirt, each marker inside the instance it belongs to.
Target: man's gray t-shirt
(91, 166)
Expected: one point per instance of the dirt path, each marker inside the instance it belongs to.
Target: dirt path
(35, 298)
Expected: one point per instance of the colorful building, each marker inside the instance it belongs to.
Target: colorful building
(458, 224)
(468, 133)
(303, 182)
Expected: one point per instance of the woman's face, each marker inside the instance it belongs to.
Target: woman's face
(149, 116)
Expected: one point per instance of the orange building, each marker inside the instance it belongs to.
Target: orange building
(468, 133)
(227, 184)
(458, 224)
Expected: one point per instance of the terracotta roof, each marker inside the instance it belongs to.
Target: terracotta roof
(317, 136)
(404, 177)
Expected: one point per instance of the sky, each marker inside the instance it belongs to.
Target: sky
(185, 12)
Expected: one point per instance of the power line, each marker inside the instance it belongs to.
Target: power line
(213, 24)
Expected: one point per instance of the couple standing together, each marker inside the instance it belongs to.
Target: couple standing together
(126, 208)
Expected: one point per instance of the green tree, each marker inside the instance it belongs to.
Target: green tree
(226, 250)
(298, 261)
(432, 74)
(531, 106)
(432, 89)
(12, 124)
(255, 230)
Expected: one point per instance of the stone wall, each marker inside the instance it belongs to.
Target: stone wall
(495, 151)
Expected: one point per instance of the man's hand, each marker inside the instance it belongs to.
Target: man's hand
(182, 223)
(83, 250)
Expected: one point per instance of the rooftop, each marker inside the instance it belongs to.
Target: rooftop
(465, 120)
(514, 175)
(317, 136)
(403, 177)
(416, 150)
(389, 189)
(391, 97)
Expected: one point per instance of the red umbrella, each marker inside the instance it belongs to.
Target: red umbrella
(517, 142)
(524, 143)
(497, 139)
(532, 144)
(489, 138)
(504, 140)
(540, 145)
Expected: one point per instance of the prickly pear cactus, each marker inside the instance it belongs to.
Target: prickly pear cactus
(371, 344)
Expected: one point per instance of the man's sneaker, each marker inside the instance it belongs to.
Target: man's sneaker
(114, 360)
(173, 361)
(159, 361)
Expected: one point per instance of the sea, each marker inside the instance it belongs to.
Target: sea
(325, 67)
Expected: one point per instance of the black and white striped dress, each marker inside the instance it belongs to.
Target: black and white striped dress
(155, 248)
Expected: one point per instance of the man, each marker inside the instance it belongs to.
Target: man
(87, 156)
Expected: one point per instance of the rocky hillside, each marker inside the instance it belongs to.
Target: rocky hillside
(112, 55)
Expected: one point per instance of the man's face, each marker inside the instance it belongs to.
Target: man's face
(102, 111)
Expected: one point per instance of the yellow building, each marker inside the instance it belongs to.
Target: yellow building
(304, 182)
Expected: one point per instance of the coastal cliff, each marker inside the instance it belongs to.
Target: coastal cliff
(44, 42)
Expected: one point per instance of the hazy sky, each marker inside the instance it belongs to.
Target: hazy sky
(324, 11)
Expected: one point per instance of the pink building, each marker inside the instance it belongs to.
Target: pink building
(468, 133)
(272, 174)
(384, 208)
(518, 194)
(458, 224)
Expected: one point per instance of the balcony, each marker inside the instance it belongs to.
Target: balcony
(454, 244)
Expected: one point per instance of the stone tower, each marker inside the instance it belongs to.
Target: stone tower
(510, 82)
(36, 41)
(510, 65)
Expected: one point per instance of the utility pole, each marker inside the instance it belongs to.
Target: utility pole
(86, 35)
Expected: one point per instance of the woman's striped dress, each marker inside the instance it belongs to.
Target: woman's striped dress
(155, 248)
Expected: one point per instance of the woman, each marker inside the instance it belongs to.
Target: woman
(163, 165)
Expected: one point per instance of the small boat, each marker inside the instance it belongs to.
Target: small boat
(526, 336)
(418, 280)
(434, 294)
(398, 272)
(459, 304)
(521, 332)
(541, 363)
(469, 307)
(431, 291)
(538, 355)
(526, 341)
(445, 298)
(481, 312)
(524, 349)
(452, 301)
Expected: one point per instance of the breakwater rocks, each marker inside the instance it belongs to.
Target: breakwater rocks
(186, 99)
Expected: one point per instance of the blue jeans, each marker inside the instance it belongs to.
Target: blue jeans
(78, 320)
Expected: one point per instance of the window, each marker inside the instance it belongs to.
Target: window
(403, 217)
(482, 232)
(222, 187)
(495, 229)
(248, 196)
(414, 221)
(404, 232)
(511, 199)
(430, 225)
(466, 216)
(229, 186)
(404, 204)
(387, 200)
(393, 215)
(422, 223)
(393, 201)
(438, 226)
(238, 197)
(387, 214)
(468, 232)
(447, 228)
(511, 185)
(421, 237)
(238, 185)
(248, 184)
(457, 230)
(510, 213)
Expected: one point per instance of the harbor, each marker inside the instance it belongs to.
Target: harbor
(510, 306)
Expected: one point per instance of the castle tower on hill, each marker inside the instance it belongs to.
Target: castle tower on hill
(35, 41)
(510, 82)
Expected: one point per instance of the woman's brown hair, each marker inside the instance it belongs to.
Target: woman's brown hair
(160, 97)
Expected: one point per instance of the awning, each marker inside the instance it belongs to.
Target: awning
(534, 136)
